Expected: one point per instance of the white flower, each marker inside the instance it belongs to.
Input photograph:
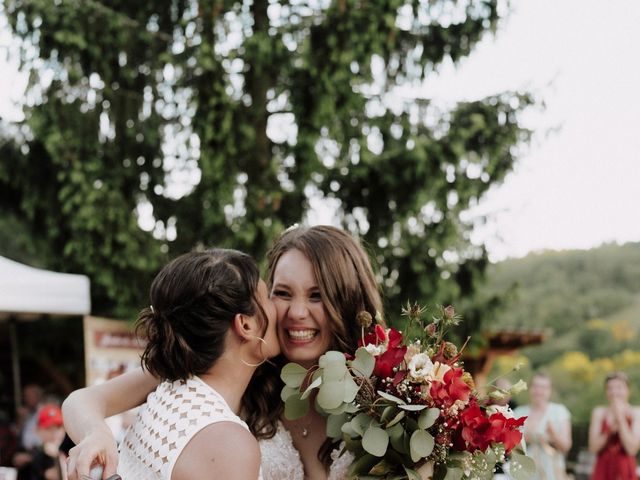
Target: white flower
(420, 365)
(438, 372)
(375, 350)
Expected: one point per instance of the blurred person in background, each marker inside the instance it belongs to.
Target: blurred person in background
(27, 418)
(614, 432)
(547, 430)
(27, 425)
(45, 464)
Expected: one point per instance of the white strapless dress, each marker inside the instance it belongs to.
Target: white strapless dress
(281, 460)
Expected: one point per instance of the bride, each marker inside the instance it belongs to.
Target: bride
(319, 279)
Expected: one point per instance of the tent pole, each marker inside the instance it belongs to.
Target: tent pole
(15, 362)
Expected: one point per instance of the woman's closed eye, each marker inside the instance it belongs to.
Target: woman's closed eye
(315, 297)
(281, 293)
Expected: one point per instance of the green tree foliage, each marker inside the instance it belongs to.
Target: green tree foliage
(224, 118)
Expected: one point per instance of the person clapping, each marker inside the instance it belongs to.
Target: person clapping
(614, 432)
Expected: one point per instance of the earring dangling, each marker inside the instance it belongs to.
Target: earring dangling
(263, 360)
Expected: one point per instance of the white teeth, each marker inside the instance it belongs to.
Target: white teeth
(302, 334)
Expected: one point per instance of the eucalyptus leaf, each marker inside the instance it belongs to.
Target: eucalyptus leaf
(361, 422)
(490, 457)
(313, 385)
(335, 371)
(397, 439)
(375, 441)
(391, 398)
(484, 464)
(287, 391)
(453, 473)
(420, 445)
(362, 465)
(388, 413)
(348, 429)
(428, 418)
(412, 408)
(412, 474)
(334, 424)
(350, 390)
(331, 394)
(340, 409)
(332, 357)
(295, 407)
(293, 374)
(397, 418)
(521, 467)
(395, 431)
(363, 364)
(351, 408)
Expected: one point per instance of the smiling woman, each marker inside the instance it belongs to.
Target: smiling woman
(336, 273)
(320, 279)
(303, 327)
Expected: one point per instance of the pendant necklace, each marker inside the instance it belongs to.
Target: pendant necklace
(305, 428)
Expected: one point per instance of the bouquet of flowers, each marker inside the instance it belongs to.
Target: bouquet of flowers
(408, 409)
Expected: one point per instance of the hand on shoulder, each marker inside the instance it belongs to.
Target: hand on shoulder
(224, 450)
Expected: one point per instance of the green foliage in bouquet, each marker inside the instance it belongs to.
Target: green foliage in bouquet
(400, 407)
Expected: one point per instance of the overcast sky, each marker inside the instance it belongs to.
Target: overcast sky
(576, 187)
(580, 186)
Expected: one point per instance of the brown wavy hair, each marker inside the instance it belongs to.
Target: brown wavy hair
(194, 300)
(347, 287)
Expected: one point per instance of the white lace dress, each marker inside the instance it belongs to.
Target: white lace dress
(173, 414)
(281, 460)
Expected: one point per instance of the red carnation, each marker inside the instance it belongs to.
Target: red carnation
(477, 432)
(377, 337)
(394, 354)
(389, 359)
(451, 389)
(510, 434)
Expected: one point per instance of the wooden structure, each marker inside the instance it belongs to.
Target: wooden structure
(498, 344)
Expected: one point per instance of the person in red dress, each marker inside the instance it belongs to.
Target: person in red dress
(614, 433)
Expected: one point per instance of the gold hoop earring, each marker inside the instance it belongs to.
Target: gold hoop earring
(263, 360)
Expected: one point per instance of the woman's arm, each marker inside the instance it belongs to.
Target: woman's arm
(225, 448)
(629, 434)
(597, 439)
(560, 435)
(84, 412)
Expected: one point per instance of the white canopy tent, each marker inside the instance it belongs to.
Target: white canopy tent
(27, 292)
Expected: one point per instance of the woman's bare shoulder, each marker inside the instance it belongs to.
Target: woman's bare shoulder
(227, 448)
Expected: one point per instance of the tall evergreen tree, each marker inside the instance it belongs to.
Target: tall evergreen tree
(223, 118)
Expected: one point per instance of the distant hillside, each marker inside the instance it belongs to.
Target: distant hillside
(559, 291)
